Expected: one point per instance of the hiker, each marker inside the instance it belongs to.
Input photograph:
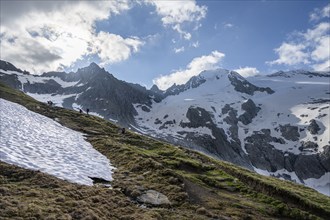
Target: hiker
(50, 103)
(123, 130)
(87, 110)
(80, 111)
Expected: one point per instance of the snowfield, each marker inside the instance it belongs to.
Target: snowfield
(33, 141)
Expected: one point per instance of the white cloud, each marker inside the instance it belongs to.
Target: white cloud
(324, 66)
(322, 49)
(291, 54)
(196, 66)
(317, 32)
(308, 47)
(176, 13)
(247, 71)
(113, 48)
(56, 35)
(178, 50)
(318, 14)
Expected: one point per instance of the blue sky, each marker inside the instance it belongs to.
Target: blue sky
(166, 42)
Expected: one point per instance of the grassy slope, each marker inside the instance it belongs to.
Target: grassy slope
(198, 187)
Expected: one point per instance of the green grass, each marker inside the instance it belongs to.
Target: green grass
(198, 186)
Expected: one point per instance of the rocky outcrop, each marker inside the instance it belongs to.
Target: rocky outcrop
(313, 127)
(308, 146)
(251, 110)
(290, 132)
(242, 85)
(194, 82)
(217, 144)
(265, 156)
(232, 120)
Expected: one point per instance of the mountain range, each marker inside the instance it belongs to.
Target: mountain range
(276, 124)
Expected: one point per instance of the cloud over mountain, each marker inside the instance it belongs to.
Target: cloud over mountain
(196, 66)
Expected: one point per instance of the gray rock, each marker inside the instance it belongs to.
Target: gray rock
(154, 198)
(308, 145)
(313, 127)
(325, 158)
(290, 132)
(242, 85)
(265, 156)
(251, 110)
(218, 145)
(309, 166)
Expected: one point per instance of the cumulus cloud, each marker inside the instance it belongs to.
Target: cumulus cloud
(247, 71)
(196, 66)
(51, 36)
(113, 48)
(176, 13)
(307, 47)
(291, 54)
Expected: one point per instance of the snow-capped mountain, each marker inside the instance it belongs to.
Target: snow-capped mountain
(276, 124)
(90, 88)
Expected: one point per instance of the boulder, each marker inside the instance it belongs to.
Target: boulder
(154, 198)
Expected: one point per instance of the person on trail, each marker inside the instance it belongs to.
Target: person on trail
(123, 130)
(87, 110)
(80, 111)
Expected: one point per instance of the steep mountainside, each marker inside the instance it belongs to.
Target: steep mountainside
(276, 125)
(153, 180)
(90, 87)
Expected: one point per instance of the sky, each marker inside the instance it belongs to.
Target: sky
(164, 42)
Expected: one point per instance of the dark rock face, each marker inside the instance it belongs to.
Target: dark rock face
(194, 82)
(232, 120)
(290, 132)
(309, 166)
(251, 110)
(313, 127)
(165, 125)
(8, 66)
(218, 144)
(325, 159)
(11, 81)
(264, 155)
(308, 145)
(242, 85)
(50, 86)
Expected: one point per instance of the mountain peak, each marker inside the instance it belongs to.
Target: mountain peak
(93, 64)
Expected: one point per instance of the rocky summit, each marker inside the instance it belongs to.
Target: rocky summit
(276, 124)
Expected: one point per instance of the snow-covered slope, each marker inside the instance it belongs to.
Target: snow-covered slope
(278, 125)
(36, 142)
